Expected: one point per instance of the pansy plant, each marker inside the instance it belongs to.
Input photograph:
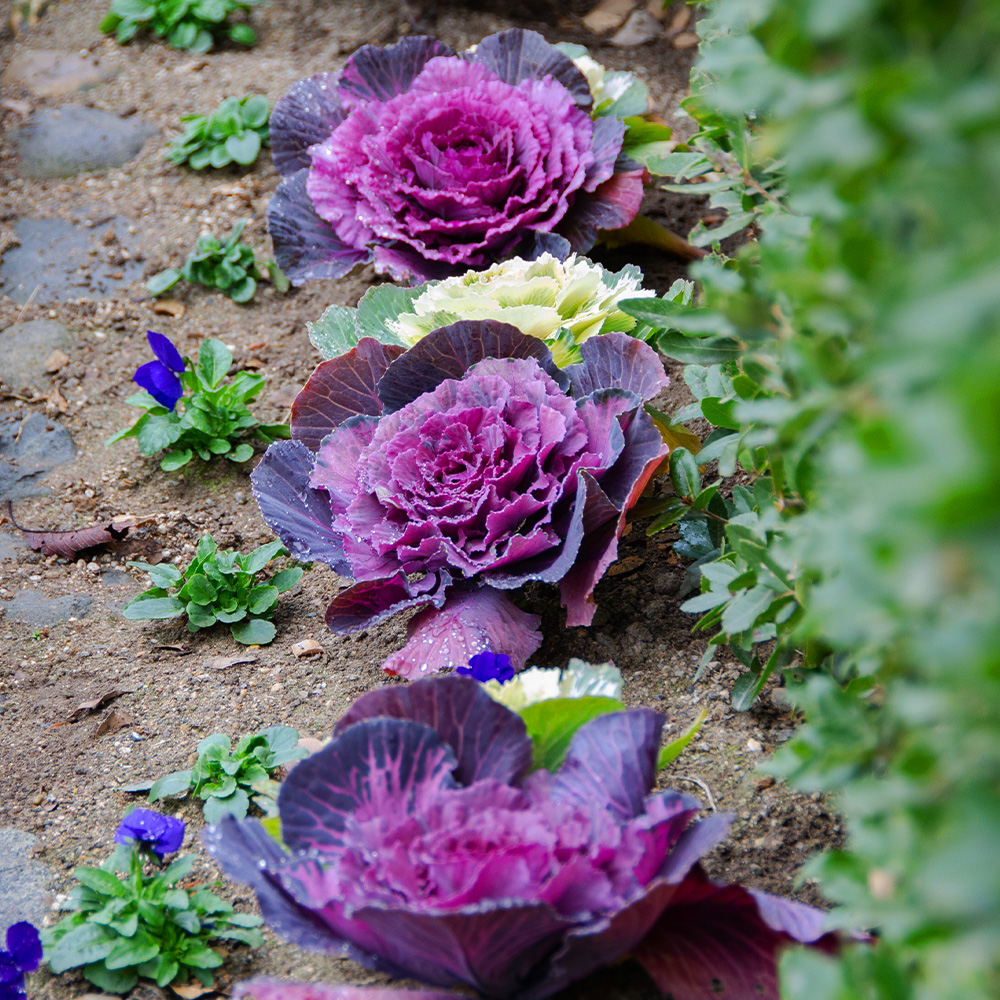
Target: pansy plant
(195, 409)
(18, 959)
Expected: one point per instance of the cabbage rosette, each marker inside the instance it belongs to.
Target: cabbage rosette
(419, 842)
(443, 476)
(430, 163)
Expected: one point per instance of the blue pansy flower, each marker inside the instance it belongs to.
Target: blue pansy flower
(160, 378)
(487, 666)
(22, 955)
(161, 834)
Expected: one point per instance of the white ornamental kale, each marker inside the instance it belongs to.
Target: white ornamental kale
(563, 303)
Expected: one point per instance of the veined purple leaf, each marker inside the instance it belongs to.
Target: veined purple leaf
(489, 740)
(371, 601)
(617, 361)
(335, 470)
(517, 55)
(340, 388)
(613, 205)
(273, 989)
(306, 246)
(643, 452)
(451, 351)
(542, 243)
(714, 942)
(307, 114)
(247, 853)
(377, 764)
(300, 516)
(379, 74)
(467, 623)
(608, 135)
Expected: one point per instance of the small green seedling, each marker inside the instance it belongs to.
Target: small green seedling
(210, 418)
(218, 586)
(231, 267)
(233, 133)
(141, 923)
(195, 25)
(228, 779)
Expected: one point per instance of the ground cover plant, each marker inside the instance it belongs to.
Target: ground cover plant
(229, 266)
(217, 587)
(233, 133)
(214, 419)
(443, 476)
(228, 778)
(129, 918)
(429, 163)
(559, 872)
(195, 25)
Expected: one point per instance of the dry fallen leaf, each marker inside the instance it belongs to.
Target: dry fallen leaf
(169, 307)
(307, 647)
(222, 662)
(607, 15)
(57, 401)
(190, 991)
(112, 722)
(685, 40)
(69, 543)
(627, 564)
(679, 21)
(641, 27)
(86, 707)
(56, 360)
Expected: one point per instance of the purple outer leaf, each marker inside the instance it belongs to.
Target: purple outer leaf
(340, 388)
(617, 361)
(612, 760)
(367, 766)
(467, 623)
(247, 853)
(489, 740)
(721, 941)
(272, 989)
(369, 602)
(306, 246)
(451, 351)
(299, 515)
(307, 114)
(542, 243)
(608, 135)
(517, 55)
(614, 204)
(374, 73)
(25, 945)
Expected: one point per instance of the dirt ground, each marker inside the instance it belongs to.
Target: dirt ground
(62, 781)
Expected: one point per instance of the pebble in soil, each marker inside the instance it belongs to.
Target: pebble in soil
(30, 448)
(23, 881)
(25, 349)
(48, 73)
(30, 607)
(74, 139)
(57, 261)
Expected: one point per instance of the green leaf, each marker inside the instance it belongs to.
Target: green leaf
(202, 957)
(158, 433)
(335, 332)
(745, 609)
(380, 306)
(552, 724)
(199, 616)
(166, 970)
(163, 281)
(174, 460)
(214, 360)
(110, 980)
(684, 473)
(255, 110)
(200, 158)
(244, 148)
(746, 689)
(261, 556)
(234, 804)
(176, 783)
(140, 609)
(241, 452)
(243, 291)
(81, 946)
(178, 869)
(280, 738)
(215, 746)
(200, 589)
(261, 599)
(101, 882)
(254, 632)
(132, 951)
(279, 281)
(698, 351)
(162, 574)
(242, 34)
(286, 579)
(676, 747)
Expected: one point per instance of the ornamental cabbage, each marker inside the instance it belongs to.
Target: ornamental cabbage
(430, 163)
(418, 842)
(443, 476)
(563, 302)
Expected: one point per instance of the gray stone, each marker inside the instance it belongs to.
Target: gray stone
(11, 547)
(30, 607)
(55, 263)
(30, 447)
(24, 882)
(47, 73)
(24, 349)
(73, 139)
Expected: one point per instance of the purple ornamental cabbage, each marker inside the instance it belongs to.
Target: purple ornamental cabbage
(443, 476)
(418, 843)
(431, 163)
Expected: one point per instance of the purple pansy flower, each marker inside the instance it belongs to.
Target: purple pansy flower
(431, 163)
(465, 467)
(419, 842)
(159, 834)
(22, 955)
(159, 378)
(487, 666)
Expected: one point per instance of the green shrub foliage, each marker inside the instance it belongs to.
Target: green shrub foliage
(850, 361)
